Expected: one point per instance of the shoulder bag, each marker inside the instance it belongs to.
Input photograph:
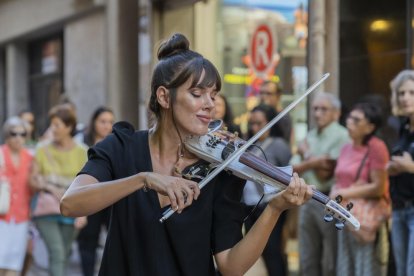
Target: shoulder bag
(45, 203)
(371, 212)
(4, 186)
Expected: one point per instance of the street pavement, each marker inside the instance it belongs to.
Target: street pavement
(40, 262)
(40, 257)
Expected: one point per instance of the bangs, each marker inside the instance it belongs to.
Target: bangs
(211, 76)
(194, 71)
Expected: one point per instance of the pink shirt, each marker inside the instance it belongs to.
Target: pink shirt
(351, 157)
(19, 181)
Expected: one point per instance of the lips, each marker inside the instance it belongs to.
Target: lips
(204, 119)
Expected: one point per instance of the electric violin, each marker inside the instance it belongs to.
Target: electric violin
(216, 146)
(225, 151)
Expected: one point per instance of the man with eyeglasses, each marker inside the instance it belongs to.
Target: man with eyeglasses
(270, 94)
(315, 162)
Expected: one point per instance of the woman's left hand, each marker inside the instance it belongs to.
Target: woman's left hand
(296, 194)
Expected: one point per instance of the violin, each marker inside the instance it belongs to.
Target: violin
(226, 151)
(219, 144)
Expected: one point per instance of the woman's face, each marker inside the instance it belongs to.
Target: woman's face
(405, 96)
(16, 138)
(323, 112)
(257, 121)
(194, 109)
(103, 124)
(29, 118)
(358, 126)
(60, 131)
(220, 108)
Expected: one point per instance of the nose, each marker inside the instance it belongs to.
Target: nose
(208, 102)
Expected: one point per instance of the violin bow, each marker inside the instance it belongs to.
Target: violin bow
(169, 212)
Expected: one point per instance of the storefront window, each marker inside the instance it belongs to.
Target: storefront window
(282, 58)
(46, 77)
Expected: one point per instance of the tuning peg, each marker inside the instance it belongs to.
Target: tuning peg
(339, 225)
(349, 206)
(338, 198)
(328, 218)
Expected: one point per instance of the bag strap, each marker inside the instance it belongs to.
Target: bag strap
(361, 166)
(2, 161)
(49, 158)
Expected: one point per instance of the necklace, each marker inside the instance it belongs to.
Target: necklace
(180, 154)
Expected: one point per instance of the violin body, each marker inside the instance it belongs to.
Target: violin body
(212, 148)
(218, 144)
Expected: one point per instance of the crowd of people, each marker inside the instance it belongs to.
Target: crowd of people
(69, 188)
(39, 169)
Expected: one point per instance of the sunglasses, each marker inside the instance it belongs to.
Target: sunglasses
(15, 134)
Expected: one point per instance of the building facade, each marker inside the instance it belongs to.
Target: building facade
(101, 52)
(84, 49)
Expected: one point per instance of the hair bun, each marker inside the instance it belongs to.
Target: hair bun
(176, 44)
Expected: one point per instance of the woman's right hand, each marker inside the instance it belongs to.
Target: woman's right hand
(180, 191)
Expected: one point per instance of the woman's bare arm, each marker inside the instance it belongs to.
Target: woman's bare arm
(86, 195)
(375, 188)
(237, 260)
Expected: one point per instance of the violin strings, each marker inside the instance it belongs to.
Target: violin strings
(228, 150)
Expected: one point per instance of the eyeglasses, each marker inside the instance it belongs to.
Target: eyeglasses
(355, 120)
(266, 93)
(15, 134)
(252, 123)
(322, 109)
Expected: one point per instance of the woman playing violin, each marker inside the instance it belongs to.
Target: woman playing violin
(138, 174)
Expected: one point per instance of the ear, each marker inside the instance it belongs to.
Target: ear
(370, 128)
(163, 97)
(337, 114)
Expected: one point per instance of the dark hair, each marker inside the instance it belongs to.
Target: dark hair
(228, 114)
(269, 113)
(373, 114)
(278, 86)
(177, 64)
(267, 110)
(91, 131)
(34, 129)
(66, 113)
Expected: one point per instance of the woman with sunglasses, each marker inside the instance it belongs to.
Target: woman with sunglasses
(361, 173)
(15, 163)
